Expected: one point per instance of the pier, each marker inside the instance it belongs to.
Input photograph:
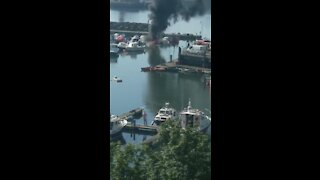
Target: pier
(174, 66)
(132, 127)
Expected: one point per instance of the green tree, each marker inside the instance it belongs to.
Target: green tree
(177, 154)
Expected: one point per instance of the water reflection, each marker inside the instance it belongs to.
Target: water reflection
(150, 90)
(113, 59)
(133, 55)
(118, 138)
(177, 89)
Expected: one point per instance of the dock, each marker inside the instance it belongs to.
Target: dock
(140, 129)
(174, 66)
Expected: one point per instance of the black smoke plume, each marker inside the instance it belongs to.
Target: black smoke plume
(162, 11)
(155, 57)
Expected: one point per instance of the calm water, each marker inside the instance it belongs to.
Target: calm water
(151, 90)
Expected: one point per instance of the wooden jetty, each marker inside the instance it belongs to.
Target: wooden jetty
(174, 66)
(140, 129)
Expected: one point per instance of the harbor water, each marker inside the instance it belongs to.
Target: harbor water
(150, 90)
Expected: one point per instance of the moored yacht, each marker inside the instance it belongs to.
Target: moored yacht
(116, 125)
(191, 117)
(114, 50)
(134, 47)
(122, 45)
(164, 114)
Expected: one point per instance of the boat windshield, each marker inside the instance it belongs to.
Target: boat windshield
(162, 112)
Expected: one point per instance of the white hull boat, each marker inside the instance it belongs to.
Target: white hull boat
(122, 45)
(195, 118)
(116, 79)
(116, 125)
(164, 114)
(134, 47)
(114, 50)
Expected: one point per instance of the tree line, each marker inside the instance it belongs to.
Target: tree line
(177, 154)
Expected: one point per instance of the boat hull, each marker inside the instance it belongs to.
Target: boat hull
(134, 49)
(115, 133)
(205, 129)
(114, 54)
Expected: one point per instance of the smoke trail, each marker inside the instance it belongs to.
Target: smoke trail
(155, 57)
(162, 11)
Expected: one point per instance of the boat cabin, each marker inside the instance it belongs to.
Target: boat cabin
(114, 122)
(190, 117)
(165, 113)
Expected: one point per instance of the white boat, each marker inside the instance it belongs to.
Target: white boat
(122, 45)
(116, 79)
(114, 50)
(195, 49)
(191, 117)
(143, 39)
(116, 124)
(164, 114)
(135, 39)
(165, 41)
(134, 47)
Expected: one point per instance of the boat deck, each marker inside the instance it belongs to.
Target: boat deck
(140, 129)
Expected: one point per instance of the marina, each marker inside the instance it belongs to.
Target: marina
(188, 117)
(132, 29)
(186, 77)
(160, 89)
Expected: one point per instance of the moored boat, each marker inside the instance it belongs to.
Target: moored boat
(134, 47)
(164, 114)
(114, 51)
(191, 117)
(116, 125)
(122, 45)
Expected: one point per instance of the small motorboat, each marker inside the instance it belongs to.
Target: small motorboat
(116, 125)
(164, 114)
(116, 79)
